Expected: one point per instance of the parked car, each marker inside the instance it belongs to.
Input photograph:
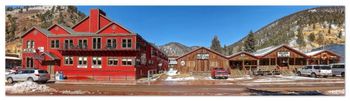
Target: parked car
(338, 69)
(35, 75)
(315, 71)
(219, 73)
(260, 72)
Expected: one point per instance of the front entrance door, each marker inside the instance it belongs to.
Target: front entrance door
(283, 62)
(51, 70)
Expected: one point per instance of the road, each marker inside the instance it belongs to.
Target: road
(255, 86)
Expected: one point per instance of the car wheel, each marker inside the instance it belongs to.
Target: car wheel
(30, 79)
(298, 74)
(343, 74)
(313, 75)
(10, 80)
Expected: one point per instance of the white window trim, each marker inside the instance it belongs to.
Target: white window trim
(82, 65)
(94, 65)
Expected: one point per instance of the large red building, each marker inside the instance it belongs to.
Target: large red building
(95, 48)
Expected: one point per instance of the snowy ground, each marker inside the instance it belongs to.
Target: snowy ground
(35, 88)
(186, 78)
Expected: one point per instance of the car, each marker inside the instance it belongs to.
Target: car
(315, 71)
(338, 69)
(219, 73)
(35, 75)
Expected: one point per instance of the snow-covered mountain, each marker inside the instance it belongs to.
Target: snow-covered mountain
(176, 49)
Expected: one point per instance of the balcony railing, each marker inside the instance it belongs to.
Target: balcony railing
(84, 47)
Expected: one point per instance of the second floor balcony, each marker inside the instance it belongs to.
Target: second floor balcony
(85, 47)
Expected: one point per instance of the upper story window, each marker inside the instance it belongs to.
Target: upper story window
(111, 43)
(82, 44)
(96, 43)
(30, 44)
(126, 43)
(55, 44)
(68, 44)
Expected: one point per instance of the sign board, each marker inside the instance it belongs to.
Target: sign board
(283, 54)
(202, 56)
(182, 63)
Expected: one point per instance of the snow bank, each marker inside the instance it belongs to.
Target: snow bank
(28, 87)
(272, 80)
(171, 72)
(246, 77)
(76, 92)
(296, 77)
(179, 79)
(336, 92)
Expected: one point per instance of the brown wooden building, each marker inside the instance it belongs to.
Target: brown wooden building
(322, 57)
(243, 61)
(281, 57)
(200, 60)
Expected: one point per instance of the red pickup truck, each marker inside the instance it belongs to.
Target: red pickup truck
(219, 73)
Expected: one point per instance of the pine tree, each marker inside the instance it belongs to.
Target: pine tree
(312, 37)
(320, 39)
(249, 43)
(215, 44)
(300, 40)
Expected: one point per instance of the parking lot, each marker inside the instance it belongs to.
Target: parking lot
(197, 85)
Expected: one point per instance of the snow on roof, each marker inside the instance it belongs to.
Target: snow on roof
(314, 52)
(12, 58)
(266, 50)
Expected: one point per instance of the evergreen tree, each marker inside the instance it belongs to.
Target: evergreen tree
(300, 40)
(249, 43)
(320, 39)
(312, 37)
(215, 44)
(340, 34)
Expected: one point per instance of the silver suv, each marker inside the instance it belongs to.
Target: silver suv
(315, 71)
(35, 75)
(338, 69)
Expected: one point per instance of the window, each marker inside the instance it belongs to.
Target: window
(96, 43)
(30, 44)
(113, 61)
(82, 62)
(68, 60)
(55, 43)
(126, 43)
(127, 61)
(30, 63)
(96, 62)
(111, 43)
(68, 44)
(82, 44)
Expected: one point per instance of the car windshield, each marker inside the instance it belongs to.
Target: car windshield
(42, 71)
(325, 67)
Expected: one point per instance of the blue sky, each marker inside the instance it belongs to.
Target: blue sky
(194, 25)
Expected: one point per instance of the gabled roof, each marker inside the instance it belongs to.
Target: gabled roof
(44, 31)
(115, 23)
(109, 24)
(200, 49)
(241, 52)
(313, 53)
(265, 51)
(69, 30)
(80, 22)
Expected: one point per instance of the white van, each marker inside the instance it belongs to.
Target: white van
(338, 69)
(315, 71)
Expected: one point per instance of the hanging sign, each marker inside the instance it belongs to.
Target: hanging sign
(283, 54)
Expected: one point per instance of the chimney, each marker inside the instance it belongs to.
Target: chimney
(95, 19)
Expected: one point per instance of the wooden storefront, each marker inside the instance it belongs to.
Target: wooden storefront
(243, 61)
(322, 57)
(282, 57)
(201, 60)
